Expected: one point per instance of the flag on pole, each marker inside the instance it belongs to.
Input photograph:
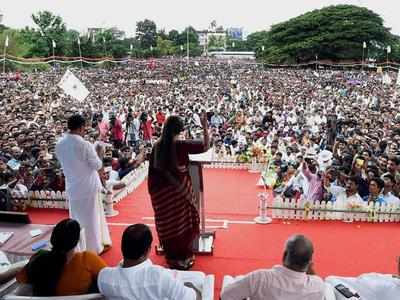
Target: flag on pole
(104, 40)
(389, 49)
(6, 42)
(131, 47)
(79, 41)
(181, 47)
(54, 44)
(263, 48)
(151, 48)
(73, 87)
(364, 45)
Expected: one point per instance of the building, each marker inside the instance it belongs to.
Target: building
(235, 33)
(206, 35)
(248, 55)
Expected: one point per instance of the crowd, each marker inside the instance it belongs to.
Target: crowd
(324, 132)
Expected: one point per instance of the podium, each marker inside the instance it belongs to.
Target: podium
(205, 243)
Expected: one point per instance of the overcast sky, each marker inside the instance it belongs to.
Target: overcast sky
(251, 14)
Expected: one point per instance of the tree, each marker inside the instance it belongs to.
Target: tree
(334, 32)
(50, 28)
(193, 36)
(146, 31)
(173, 36)
(16, 44)
(165, 47)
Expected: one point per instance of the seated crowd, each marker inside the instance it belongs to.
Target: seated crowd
(307, 125)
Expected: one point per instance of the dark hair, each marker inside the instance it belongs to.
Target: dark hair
(45, 268)
(395, 159)
(379, 182)
(136, 241)
(298, 252)
(165, 154)
(354, 179)
(390, 177)
(76, 122)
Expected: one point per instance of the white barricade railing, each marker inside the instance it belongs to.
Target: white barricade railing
(51, 199)
(292, 209)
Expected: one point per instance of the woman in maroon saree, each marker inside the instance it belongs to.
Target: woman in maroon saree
(170, 187)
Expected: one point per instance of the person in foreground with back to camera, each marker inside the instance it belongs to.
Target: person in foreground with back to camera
(295, 280)
(62, 271)
(137, 278)
(170, 187)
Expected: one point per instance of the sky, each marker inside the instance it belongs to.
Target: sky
(252, 15)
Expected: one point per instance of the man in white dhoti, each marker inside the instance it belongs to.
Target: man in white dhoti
(80, 164)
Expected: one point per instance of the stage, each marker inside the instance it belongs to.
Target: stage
(345, 249)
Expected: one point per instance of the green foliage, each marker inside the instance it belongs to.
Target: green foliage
(146, 31)
(334, 32)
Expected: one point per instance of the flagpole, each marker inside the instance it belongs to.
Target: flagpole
(187, 46)
(80, 52)
(363, 56)
(4, 58)
(54, 58)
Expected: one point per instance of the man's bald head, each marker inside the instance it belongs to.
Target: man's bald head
(298, 253)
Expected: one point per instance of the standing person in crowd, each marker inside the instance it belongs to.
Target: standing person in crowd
(62, 271)
(294, 280)
(81, 166)
(170, 187)
(117, 134)
(147, 127)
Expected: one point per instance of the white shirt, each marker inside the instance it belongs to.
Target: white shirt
(142, 282)
(391, 199)
(275, 284)
(371, 285)
(80, 164)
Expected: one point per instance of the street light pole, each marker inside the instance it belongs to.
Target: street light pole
(363, 55)
(80, 52)
(187, 44)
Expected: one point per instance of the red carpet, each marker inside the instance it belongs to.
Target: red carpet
(340, 248)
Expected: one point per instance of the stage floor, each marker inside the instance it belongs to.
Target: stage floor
(345, 249)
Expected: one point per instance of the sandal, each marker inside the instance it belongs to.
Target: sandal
(182, 265)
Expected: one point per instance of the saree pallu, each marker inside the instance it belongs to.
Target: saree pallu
(176, 217)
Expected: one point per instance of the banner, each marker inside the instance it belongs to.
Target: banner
(73, 87)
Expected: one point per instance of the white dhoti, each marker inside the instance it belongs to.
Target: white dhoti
(89, 213)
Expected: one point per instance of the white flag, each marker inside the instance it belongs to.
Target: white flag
(263, 48)
(398, 78)
(6, 42)
(131, 47)
(151, 48)
(364, 45)
(181, 47)
(104, 40)
(54, 44)
(79, 41)
(73, 87)
(389, 49)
